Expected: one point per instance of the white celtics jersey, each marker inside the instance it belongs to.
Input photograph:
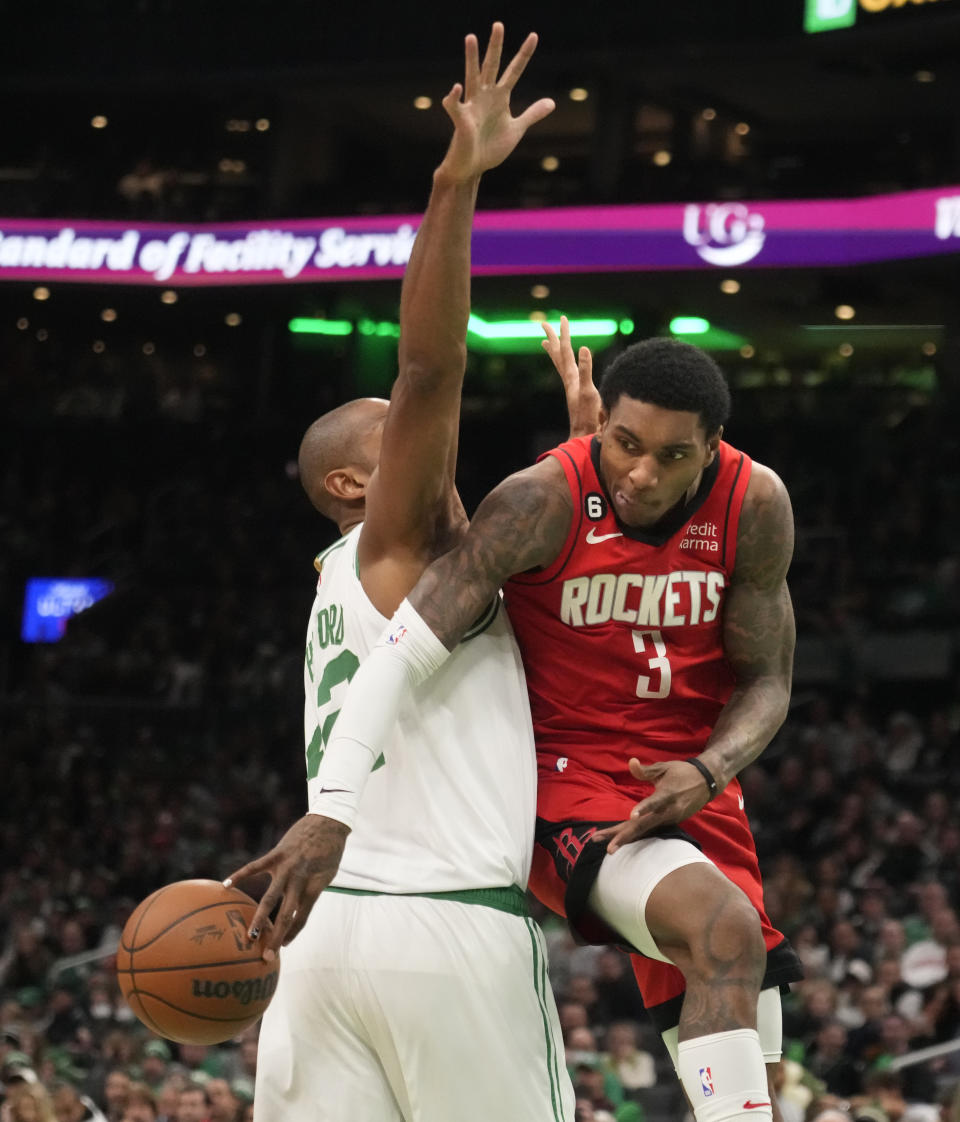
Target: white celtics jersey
(450, 804)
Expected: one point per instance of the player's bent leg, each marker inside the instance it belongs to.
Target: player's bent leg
(698, 919)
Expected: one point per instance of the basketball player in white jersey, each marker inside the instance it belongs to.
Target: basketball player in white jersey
(417, 987)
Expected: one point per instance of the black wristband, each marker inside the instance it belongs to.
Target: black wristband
(707, 775)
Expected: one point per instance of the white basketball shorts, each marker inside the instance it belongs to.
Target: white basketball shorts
(412, 1009)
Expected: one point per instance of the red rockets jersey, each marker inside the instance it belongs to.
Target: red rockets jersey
(622, 636)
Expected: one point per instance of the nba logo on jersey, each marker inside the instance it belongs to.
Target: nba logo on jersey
(706, 1083)
(395, 636)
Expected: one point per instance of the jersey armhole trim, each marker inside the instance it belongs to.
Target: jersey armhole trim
(484, 620)
(728, 561)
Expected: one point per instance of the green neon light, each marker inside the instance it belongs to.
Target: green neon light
(826, 15)
(689, 325)
(533, 329)
(308, 326)
(478, 327)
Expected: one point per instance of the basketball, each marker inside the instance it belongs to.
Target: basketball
(188, 969)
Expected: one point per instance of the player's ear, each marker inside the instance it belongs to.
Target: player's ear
(347, 484)
(713, 445)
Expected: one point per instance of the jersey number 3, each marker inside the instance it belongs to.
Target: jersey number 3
(657, 682)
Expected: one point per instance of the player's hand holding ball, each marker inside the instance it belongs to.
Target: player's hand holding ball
(187, 966)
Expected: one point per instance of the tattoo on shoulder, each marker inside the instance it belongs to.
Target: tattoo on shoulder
(520, 525)
(766, 531)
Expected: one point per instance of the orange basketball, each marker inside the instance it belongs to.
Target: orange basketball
(186, 966)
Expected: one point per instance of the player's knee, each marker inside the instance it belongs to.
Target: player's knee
(729, 939)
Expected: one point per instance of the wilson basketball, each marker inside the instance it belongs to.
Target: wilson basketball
(186, 966)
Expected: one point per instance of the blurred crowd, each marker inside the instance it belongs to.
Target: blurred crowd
(161, 739)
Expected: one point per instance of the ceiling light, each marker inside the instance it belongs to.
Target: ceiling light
(233, 319)
(741, 128)
(662, 157)
(549, 163)
(199, 350)
(23, 323)
(925, 76)
(99, 122)
(578, 93)
(422, 102)
(263, 123)
(41, 292)
(928, 349)
(845, 349)
(844, 311)
(689, 325)
(540, 292)
(747, 351)
(42, 335)
(730, 286)
(108, 315)
(99, 346)
(148, 348)
(168, 296)
(709, 114)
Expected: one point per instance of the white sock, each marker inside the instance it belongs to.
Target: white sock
(725, 1077)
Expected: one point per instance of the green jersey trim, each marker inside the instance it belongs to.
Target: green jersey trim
(339, 544)
(512, 900)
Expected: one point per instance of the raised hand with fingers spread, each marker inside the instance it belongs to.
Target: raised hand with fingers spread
(485, 133)
(576, 373)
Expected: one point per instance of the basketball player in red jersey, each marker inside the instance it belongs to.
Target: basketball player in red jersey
(645, 572)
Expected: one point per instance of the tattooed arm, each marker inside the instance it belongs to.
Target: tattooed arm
(758, 630)
(522, 524)
(758, 637)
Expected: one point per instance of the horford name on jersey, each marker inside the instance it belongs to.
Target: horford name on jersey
(686, 597)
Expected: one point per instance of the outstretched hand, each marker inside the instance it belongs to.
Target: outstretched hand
(576, 373)
(678, 792)
(301, 865)
(484, 131)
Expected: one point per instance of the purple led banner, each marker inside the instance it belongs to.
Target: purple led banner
(562, 240)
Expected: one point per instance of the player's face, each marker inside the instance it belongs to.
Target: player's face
(651, 458)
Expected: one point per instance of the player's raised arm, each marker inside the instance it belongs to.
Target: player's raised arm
(412, 494)
(576, 374)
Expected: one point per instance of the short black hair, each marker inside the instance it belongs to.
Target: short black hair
(670, 374)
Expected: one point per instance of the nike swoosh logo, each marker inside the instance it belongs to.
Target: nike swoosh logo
(748, 1105)
(593, 538)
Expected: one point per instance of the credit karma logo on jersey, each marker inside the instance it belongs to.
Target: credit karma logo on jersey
(701, 537)
(724, 233)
